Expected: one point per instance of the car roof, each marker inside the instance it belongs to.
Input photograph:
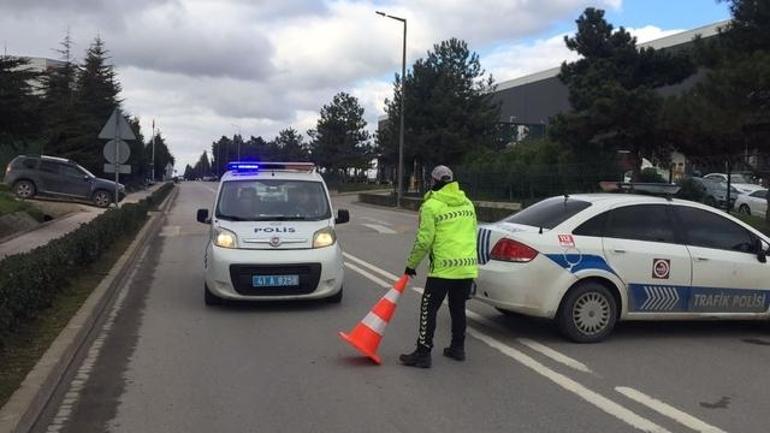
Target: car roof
(611, 200)
(46, 157)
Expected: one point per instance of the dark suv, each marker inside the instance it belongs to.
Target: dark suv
(59, 177)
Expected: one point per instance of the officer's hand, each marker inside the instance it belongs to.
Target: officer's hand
(411, 272)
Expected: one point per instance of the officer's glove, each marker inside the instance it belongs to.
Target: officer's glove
(411, 272)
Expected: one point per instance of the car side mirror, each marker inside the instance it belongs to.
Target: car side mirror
(203, 216)
(762, 248)
(343, 216)
(86, 177)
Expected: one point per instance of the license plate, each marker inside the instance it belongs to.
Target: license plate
(274, 280)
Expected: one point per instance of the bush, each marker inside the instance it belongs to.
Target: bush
(30, 281)
(690, 190)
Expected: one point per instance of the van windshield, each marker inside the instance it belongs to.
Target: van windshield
(272, 200)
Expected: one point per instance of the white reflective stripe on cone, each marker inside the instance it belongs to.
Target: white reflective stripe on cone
(375, 323)
(392, 295)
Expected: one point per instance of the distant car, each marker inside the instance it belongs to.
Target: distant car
(28, 176)
(740, 181)
(753, 204)
(715, 193)
(588, 261)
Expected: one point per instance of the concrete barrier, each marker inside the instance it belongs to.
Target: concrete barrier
(486, 211)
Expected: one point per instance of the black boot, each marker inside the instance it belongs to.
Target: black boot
(455, 352)
(420, 358)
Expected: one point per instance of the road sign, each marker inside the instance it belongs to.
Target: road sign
(123, 169)
(117, 127)
(123, 152)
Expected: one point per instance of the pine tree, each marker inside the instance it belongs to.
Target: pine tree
(289, 146)
(19, 107)
(62, 121)
(449, 110)
(340, 139)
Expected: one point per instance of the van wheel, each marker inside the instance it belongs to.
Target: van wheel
(102, 198)
(744, 210)
(210, 298)
(588, 313)
(336, 298)
(24, 189)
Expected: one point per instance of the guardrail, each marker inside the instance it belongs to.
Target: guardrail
(486, 211)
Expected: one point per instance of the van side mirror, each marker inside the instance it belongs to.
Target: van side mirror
(203, 216)
(762, 248)
(343, 216)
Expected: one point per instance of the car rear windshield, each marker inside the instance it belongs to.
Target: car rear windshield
(273, 200)
(549, 213)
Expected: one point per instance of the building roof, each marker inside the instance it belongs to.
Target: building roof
(665, 42)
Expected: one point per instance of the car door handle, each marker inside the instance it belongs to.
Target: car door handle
(618, 251)
(701, 259)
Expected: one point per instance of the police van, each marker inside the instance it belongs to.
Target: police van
(272, 235)
(588, 261)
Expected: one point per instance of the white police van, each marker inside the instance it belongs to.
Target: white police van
(589, 260)
(272, 235)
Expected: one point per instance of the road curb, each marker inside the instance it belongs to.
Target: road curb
(26, 404)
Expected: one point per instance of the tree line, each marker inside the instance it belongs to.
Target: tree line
(61, 110)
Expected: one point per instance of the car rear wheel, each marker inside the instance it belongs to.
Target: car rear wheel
(24, 189)
(588, 313)
(336, 298)
(102, 198)
(744, 210)
(210, 298)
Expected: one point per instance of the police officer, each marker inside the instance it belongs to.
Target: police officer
(447, 234)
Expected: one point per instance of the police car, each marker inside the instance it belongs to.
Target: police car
(587, 261)
(272, 235)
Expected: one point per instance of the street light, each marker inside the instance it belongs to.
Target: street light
(400, 172)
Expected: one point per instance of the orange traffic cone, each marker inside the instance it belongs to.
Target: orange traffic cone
(366, 336)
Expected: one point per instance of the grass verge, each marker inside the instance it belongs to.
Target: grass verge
(10, 204)
(25, 347)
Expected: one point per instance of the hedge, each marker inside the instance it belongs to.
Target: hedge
(29, 282)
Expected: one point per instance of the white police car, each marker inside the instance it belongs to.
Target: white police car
(272, 235)
(587, 261)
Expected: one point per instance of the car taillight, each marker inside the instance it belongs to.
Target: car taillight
(509, 250)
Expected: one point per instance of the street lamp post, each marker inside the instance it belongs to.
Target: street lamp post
(238, 145)
(400, 172)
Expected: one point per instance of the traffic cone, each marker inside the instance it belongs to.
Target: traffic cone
(366, 336)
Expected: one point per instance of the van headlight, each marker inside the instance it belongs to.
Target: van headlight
(324, 238)
(225, 238)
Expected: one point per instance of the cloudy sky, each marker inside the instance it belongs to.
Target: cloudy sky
(204, 68)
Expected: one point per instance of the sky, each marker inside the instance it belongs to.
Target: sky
(206, 68)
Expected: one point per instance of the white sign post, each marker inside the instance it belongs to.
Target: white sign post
(116, 151)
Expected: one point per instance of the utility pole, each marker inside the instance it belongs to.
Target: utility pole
(400, 172)
(154, 137)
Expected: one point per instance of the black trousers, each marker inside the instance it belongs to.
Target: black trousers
(436, 289)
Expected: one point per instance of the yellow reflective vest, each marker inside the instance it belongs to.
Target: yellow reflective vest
(447, 233)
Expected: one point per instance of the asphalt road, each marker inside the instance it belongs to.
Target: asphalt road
(164, 362)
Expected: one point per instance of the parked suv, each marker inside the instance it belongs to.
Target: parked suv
(58, 177)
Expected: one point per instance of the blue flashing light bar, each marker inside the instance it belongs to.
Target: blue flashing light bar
(242, 166)
(245, 166)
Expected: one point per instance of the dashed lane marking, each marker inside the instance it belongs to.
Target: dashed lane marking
(380, 229)
(662, 408)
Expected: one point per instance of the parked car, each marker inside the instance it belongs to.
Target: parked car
(753, 204)
(715, 193)
(741, 181)
(28, 176)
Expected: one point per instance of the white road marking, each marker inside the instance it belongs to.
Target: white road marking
(665, 409)
(556, 356)
(375, 220)
(380, 229)
(370, 266)
(377, 280)
(596, 399)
